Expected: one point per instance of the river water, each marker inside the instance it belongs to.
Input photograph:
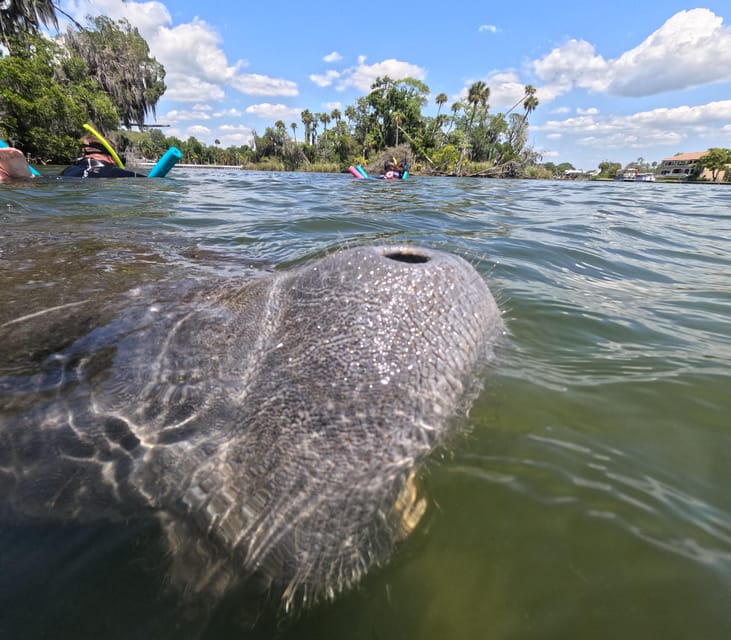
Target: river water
(591, 494)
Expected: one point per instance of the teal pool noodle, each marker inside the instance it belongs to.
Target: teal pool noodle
(164, 164)
(361, 171)
(5, 145)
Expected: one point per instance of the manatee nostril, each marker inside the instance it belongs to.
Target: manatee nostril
(409, 257)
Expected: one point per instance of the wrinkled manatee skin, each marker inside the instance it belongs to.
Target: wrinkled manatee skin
(272, 427)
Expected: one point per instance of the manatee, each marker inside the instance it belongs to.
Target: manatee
(271, 427)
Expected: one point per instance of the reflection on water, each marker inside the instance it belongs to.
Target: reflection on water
(590, 496)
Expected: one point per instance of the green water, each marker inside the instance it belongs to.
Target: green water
(589, 496)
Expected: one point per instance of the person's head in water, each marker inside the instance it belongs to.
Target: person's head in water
(391, 171)
(92, 148)
(97, 161)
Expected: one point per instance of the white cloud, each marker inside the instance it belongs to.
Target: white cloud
(190, 89)
(569, 65)
(505, 90)
(591, 111)
(704, 114)
(560, 110)
(326, 79)
(193, 49)
(235, 134)
(656, 127)
(236, 139)
(547, 93)
(174, 116)
(235, 128)
(146, 16)
(363, 76)
(274, 111)
(332, 105)
(332, 57)
(228, 113)
(196, 66)
(255, 84)
(691, 48)
(491, 28)
(198, 130)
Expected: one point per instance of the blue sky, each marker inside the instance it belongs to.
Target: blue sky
(616, 81)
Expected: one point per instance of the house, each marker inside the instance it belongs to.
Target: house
(680, 165)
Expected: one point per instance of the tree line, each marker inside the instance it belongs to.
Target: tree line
(470, 140)
(387, 121)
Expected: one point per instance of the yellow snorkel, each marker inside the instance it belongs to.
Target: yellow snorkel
(105, 144)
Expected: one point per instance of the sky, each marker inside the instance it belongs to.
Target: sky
(616, 80)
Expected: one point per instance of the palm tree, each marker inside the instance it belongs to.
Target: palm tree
(350, 113)
(441, 100)
(455, 108)
(293, 126)
(477, 95)
(529, 92)
(26, 16)
(336, 115)
(484, 97)
(307, 120)
(325, 119)
(530, 101)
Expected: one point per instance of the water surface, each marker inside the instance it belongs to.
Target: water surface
(589, 497)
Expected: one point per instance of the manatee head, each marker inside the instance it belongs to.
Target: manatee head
(273, 426)
(362, 363)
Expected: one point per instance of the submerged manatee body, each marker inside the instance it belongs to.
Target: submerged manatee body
(273, 427)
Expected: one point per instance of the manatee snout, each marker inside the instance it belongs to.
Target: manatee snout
(275, 427)
(370, 356)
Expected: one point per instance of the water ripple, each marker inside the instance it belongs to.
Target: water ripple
(604, 483)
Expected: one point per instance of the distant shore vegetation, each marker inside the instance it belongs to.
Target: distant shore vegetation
(103, 73)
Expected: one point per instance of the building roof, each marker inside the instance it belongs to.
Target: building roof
(696, 155)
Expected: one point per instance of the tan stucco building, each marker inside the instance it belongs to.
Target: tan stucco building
(682, 165)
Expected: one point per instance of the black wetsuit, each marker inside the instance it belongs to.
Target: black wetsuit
(93, 168)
